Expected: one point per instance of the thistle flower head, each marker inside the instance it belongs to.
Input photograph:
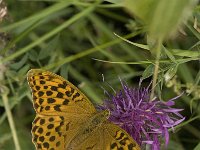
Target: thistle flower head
(146, 121)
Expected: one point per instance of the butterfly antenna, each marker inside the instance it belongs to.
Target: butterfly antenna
(103, 79)
(107, 84)
(104, 90)
(123, 83)
(110, 86)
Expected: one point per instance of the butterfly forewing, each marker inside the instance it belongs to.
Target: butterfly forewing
(52, 94)
(56, 99)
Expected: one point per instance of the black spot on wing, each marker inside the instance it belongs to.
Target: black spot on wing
(68, 93)
(121, 136)
(58, 144)
(113, 145)
(46, 145)
(51, 119)
(65, 102)
(42, 82)
(50, 126)
(41, 101)
(57, 107)
(75, 95)
(51, 100)
(52, 138)
(54, 88)
(131, 146)
(41, 138)
(42, 121)
(49, 93)
(47, 108)
(60, 95)
(48, 133)
(40, 93)
(34, 128)
(40, 130)
(41, 77)
(37, 87)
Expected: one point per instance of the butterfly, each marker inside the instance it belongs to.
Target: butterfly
(67, 120)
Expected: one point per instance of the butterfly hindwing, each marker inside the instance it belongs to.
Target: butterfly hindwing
(117, 138)
(106, 137)
(100, 134)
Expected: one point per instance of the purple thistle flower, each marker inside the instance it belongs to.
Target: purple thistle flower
(146, 121)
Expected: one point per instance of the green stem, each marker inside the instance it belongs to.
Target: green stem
(184, 123)
(4, 92)
(156, 70)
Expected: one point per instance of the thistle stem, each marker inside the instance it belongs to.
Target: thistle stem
(156, 69)
(4, 94)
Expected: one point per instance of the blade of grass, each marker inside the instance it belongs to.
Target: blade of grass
(184, 60)
(78, 3)
(50, 34)
(18, 38)
(193, 30)
(85, 53)
(111, 56)
(38, 16)
(102, 26)
(177, 52)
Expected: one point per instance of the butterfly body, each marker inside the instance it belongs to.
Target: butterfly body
(67, 120)
(93, 124)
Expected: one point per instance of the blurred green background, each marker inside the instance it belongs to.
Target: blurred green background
(84, 39)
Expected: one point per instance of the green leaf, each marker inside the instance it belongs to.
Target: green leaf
(161, 17)
(51, 46)
(174, 145)
(64, 70)
(141, 8)
(148, 72)
(114, 1)
(167, 16)
(23, 71)
(171, 72)
(197, 147)
(19, 64)
(169, 54)
(33, 55)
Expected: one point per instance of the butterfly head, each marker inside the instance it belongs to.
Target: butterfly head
(106, 113)
(100, 117)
